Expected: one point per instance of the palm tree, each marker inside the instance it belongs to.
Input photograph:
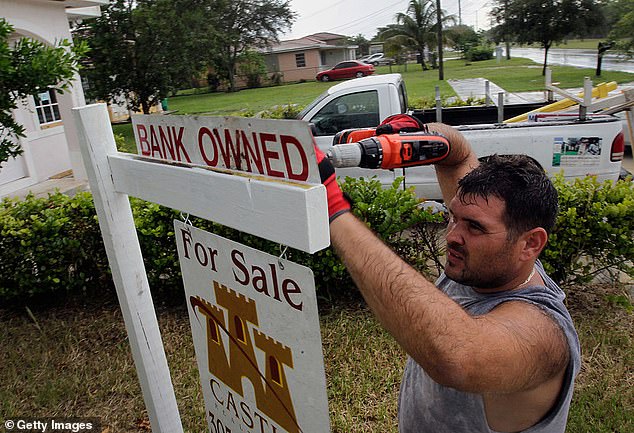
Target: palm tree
(417, 27)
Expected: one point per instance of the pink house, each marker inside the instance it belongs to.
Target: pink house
(301, 59)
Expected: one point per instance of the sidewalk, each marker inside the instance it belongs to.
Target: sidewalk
(66, 185)
(475, 88)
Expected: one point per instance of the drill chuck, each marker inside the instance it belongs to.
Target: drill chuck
(366, 153)
(345, 155)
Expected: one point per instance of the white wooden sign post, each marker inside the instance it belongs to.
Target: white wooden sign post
(257, 176)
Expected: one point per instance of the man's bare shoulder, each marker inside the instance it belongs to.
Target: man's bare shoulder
(537, 335)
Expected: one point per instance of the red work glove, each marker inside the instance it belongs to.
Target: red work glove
(400, 123)
(337, 203)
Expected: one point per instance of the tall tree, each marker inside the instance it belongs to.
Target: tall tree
(142, 50)
(363, 44)
(547, 21)
(236, 26)
(623, 29)
(462, 38)
(502, 32)
(27, 67)
(417, 27)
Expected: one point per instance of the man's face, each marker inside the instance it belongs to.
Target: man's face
(479, 252)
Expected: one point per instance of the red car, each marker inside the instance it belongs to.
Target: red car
(347, 69)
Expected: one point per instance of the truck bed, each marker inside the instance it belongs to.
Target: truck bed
(474, 115)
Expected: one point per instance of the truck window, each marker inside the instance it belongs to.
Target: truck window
(355, 110)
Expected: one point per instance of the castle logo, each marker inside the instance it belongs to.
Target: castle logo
(256, 334)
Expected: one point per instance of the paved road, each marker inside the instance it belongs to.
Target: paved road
(574, 57)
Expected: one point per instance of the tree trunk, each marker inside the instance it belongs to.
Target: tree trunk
(508, 50)
(423, 65)
(546, 48)
(441, 73)
(145, 106)
(232, 80)
(231, 70)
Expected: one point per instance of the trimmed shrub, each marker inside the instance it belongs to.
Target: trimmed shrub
(252, 68)
(446, 101)
(49, 247)
(53, 245)
(594, 232)
(396, 216)
(480, 52)
(285, 111)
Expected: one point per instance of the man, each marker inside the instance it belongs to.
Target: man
(491, 347)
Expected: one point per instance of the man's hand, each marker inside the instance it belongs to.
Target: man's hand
(460, 161)
(400, 123)
(337, 203)
(460, 149)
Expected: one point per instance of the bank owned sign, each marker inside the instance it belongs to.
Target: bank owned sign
(281, 149)
(256, 334)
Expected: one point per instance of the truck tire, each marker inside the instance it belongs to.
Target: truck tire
(325, 78)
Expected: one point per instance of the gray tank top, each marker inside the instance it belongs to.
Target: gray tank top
(427, 407)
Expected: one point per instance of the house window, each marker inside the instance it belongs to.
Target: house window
(47, 107)
(300, 60)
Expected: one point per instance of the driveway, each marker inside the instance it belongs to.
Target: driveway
(574, 57)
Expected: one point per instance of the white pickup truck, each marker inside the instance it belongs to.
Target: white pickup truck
(578, 148)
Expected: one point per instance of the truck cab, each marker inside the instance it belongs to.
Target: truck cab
(359, 103)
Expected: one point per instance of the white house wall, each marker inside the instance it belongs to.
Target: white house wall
(54, 150)
(42, 20)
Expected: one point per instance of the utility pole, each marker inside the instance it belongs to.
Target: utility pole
(459, 14)
(506, 30)
(441, 74)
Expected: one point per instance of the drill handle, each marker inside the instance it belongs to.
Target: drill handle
(413, 149)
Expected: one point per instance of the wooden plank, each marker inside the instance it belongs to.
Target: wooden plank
(128, 271)
(293, 214)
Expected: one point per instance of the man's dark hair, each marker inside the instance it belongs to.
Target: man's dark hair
(519, 181)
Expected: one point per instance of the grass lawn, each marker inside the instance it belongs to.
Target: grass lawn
(222, 104)
(515, 75)
(76, 362)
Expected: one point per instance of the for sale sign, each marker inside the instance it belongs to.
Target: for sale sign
(256, 334)
(274, 148)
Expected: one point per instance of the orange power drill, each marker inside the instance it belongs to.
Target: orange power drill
(361, 148)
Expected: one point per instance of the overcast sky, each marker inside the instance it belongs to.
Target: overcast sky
(351, 17)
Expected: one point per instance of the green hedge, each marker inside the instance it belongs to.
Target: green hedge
(52, 246)
(49, 247)
(594, 232)
(478, 53)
